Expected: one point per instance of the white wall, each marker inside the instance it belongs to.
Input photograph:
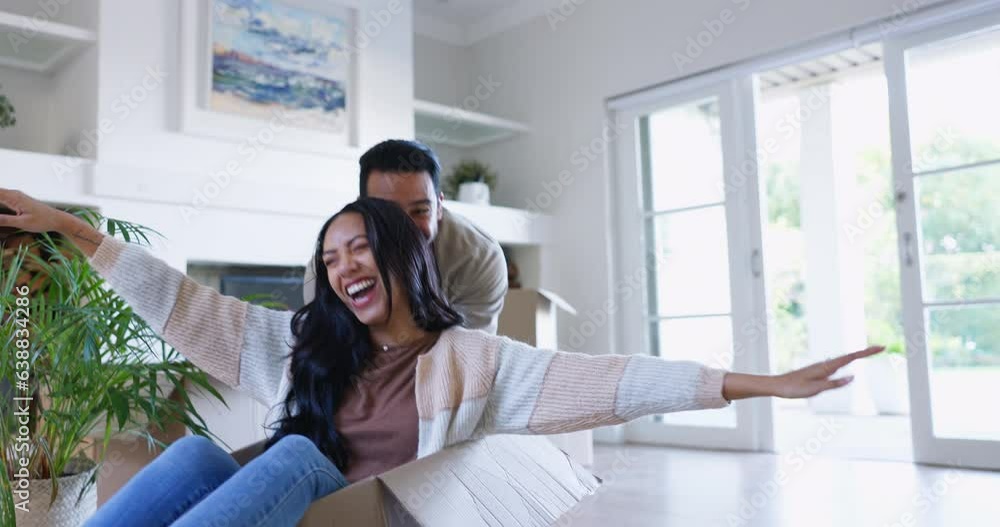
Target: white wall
(440, 71)
(557, 78)
(441, 75)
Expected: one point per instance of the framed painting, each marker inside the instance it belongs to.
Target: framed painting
(280, 73)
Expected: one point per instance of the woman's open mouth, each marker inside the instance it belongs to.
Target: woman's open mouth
(361, 292)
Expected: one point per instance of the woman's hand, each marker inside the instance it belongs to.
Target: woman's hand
(815, 379)
(29, 214)
(798, 384)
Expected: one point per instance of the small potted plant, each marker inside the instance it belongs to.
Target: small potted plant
(97, 372)
(7, 118)
(471, 182)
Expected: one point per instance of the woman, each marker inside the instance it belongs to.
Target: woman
(374, 372)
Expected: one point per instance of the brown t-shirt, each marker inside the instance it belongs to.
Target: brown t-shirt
(378, 416)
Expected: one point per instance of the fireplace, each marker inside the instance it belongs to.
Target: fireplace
(276, 287)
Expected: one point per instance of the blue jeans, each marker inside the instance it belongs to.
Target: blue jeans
(194, 482)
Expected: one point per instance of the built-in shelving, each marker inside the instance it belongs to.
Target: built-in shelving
(454, 126)
(507, 225)
(39, 45)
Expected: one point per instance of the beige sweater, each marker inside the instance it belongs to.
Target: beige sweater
(469, 384)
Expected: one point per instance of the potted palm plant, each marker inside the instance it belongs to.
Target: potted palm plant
(471, 182)
(95, 370)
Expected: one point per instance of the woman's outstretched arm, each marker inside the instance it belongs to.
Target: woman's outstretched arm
(236, 342)
(538, 391)
(798, 384)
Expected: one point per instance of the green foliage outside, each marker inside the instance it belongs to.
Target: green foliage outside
(960, 238)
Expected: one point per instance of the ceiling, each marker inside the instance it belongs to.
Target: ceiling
(464, 22)
(822, 68)
(464, 12)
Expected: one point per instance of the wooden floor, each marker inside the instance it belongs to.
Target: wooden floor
(655, 486)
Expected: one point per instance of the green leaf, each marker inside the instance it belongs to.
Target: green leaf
(120, 406)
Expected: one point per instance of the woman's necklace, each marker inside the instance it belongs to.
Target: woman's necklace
(414, 342)
(397, 347)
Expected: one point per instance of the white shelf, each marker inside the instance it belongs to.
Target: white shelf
(39, 45)
(453, 126)
(507, 225)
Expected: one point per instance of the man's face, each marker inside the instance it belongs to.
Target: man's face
(414, 192)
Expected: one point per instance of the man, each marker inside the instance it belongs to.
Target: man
(470, 262)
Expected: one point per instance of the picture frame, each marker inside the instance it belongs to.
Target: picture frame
(252, 94)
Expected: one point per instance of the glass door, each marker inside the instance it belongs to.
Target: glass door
(945, 122)
(689, 237)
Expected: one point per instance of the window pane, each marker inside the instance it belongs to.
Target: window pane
(691, 262)
(685, 156)
(964, 344)
(708, 341)
(951, 90)
(960, 229)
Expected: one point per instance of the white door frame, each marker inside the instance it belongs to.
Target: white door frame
(754, 430)
(927, 448)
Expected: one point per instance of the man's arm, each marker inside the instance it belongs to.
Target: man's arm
(482, 295)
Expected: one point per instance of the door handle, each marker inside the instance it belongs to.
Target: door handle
(755, 263)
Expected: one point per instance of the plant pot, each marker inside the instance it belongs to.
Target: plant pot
(888, 384)
(66, 511)
(475, 192)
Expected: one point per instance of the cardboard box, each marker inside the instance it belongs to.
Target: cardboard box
(495, 481)
(529, 315)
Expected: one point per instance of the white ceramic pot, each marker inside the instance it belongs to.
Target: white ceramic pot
(475, 192)
(66, 511)
(888, 384)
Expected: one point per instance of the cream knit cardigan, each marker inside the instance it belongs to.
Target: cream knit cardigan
(469, 384)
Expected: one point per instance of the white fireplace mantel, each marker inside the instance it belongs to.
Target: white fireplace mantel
(245, 221)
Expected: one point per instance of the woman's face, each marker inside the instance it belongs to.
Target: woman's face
(353, 274)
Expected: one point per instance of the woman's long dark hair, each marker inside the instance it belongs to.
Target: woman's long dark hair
(332, 346)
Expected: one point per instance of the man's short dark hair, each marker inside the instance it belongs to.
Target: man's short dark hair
(399, 155)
